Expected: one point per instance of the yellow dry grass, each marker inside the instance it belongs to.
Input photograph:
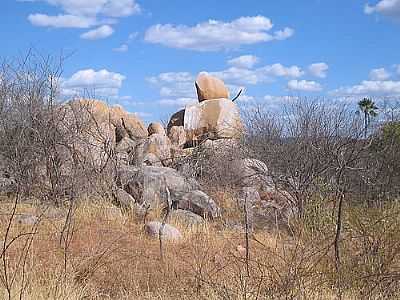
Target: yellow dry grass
(110, 257)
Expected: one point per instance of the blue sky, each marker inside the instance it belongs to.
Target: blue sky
(146, 54)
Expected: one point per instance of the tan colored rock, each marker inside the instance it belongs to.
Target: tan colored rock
(177, 135)
(209, 87)
(155, 128)
(99, 113)
(160, 146)
(101, 128)
(212, 119)
(130, 122)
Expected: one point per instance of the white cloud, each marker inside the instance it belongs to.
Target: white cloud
(267, 73)
(102, 83)
(101, 32)
(181, 84)
(216, 35)
(244, 61)
(122, 48)
(398, 69)
(174, 84)
(304, 85)
(390, 8)
(318, 69)
(371, 87)
(61, 21)
(85, 13)
(284, 34)
(379, 74)
(109, 8)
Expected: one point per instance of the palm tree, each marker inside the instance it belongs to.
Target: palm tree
(368, 108)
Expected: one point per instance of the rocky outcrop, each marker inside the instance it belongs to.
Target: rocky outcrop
(214, 117)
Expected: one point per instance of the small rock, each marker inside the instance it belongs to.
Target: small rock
(169, 232)
(187, 217)
(26, 219)
(199, 203)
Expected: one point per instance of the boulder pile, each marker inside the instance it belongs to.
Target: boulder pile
(144, 173)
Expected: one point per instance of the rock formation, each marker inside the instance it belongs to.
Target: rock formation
(214, 117)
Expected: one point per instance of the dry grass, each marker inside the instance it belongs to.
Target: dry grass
(110, 258)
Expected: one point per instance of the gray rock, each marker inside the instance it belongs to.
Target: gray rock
(7, 185)
(187, 217)
(151, 159)
(168, 233)
(26, 219)
(249, 194)
(148, 185)
(253, 173)
(199, 203)
(123, 199)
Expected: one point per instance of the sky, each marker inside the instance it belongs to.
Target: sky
(146, 54)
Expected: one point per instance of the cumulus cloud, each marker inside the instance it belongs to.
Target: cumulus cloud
(181, 84)
(371, 87)
(318, 69)
(174, 84)
(101, 32)
(61, 21)
(284, 34)
(244, 61)
(389, 8)
(84, 14)
(243, 76)
(102, 83)
(122, 48)
(398, 69)
(304, 85)
(216, 35)
(379, 74)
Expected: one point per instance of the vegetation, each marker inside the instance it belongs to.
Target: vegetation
(342, 183)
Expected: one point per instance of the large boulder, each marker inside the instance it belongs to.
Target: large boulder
(97, 113)
(213, 119)
(199, 203)
(209, 87)
(168, 232)
(177, 119)
(148, 184)
(155, 128)
(101, 128)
